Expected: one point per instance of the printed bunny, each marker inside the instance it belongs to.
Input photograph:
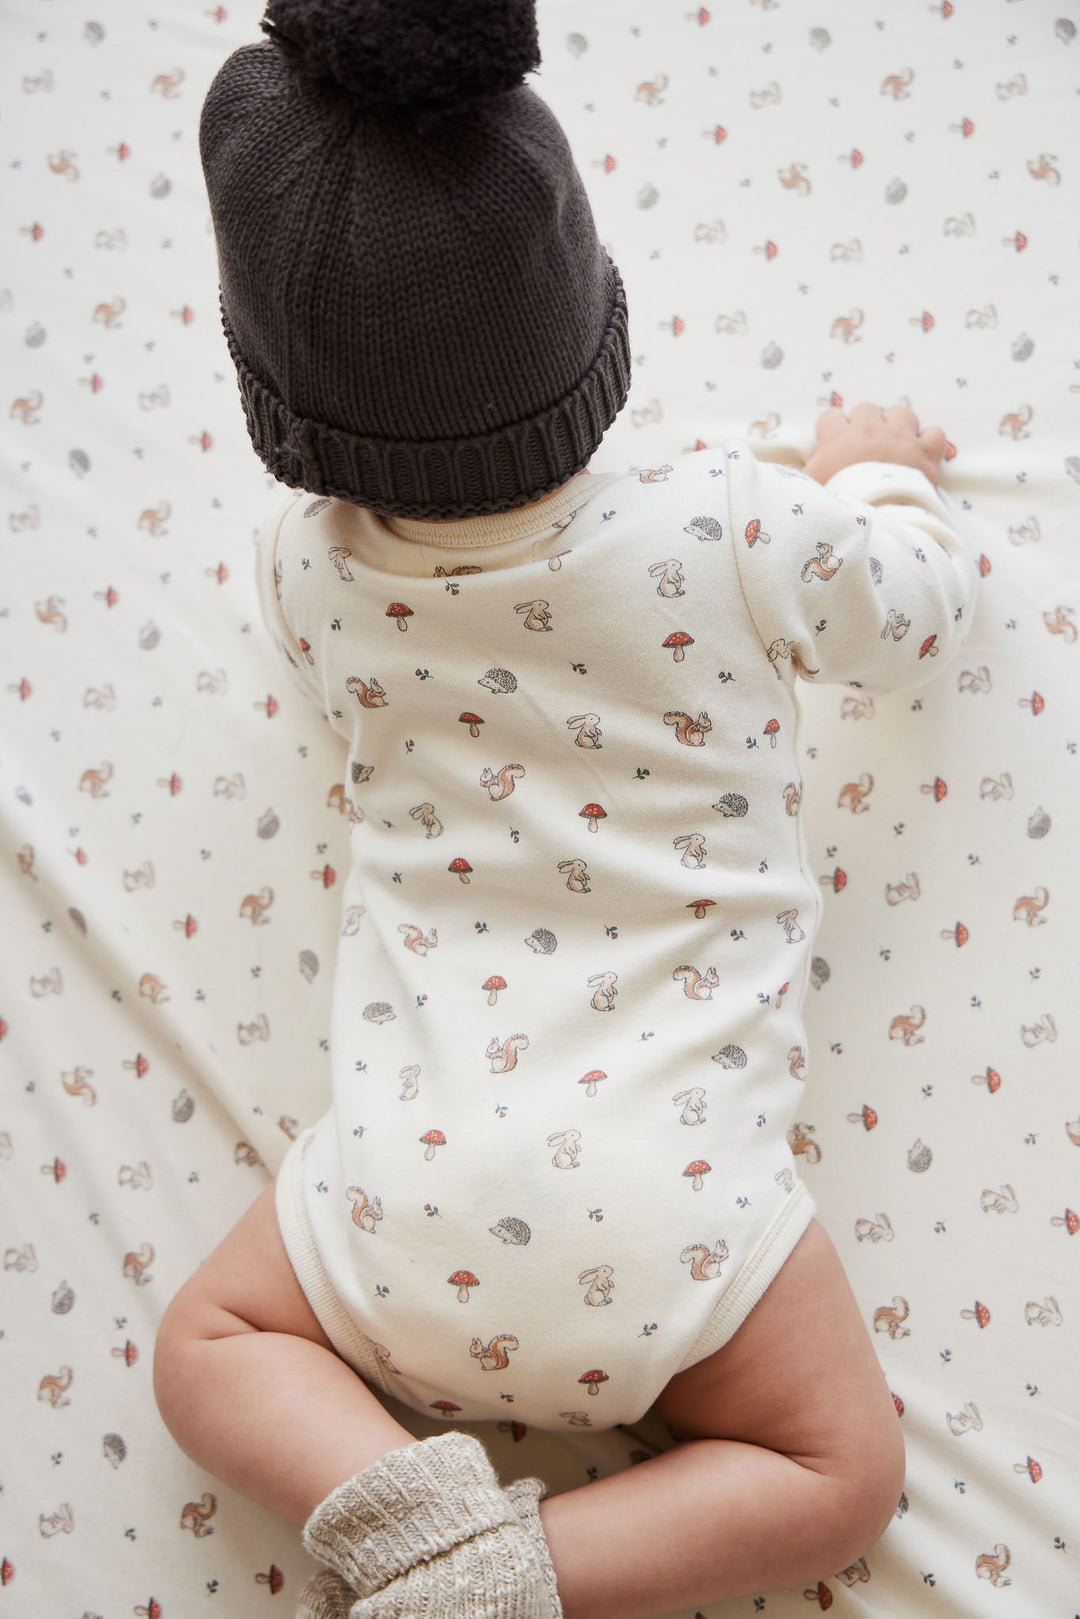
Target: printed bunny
(598, 1283)
(604, 991)
(568, 1145)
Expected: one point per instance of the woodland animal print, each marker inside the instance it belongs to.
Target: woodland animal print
(667, 737)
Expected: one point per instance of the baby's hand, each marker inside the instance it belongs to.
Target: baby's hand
(871, 433)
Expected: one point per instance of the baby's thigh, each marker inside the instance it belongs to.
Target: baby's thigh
(800, 1376)
(247, 1284)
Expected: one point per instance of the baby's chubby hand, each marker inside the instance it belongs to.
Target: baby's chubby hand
(871, 433)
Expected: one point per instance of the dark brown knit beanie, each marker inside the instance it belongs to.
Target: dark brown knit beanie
(421, 317)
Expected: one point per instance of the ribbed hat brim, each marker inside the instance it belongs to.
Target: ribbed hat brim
(511, 466)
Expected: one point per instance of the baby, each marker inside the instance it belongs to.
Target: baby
(555, 1181)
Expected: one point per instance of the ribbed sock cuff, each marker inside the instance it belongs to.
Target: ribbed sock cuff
(414, 1504)
(526, 1495)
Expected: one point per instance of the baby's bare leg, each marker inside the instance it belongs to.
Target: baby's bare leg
(797, 1473)
(248, 1385)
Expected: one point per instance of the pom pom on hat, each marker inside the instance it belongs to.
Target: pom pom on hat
(420, 53)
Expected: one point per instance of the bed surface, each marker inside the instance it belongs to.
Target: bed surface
(808, 204)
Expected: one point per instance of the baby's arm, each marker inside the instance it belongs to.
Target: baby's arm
(868, 579)
(298, 661)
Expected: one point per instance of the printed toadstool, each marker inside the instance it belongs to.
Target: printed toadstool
(447, 1407)
(959, 933)
(493, 986)
(697, 1171)
(1070, 1220)
(699, 907)
(771, 731)
(1036, 702)
(866, 1117)
(837, 881)
(399, 611)
(460, 868)
(937, 787)
(980, 1314)
(991, 1079)
(1031, 1467)
(678, 641)
(593, 1380)
(275, 1579)
(591, 1080)
(463, 1280)
(431, 1140)
(594, 814)
(473, 721)
(929, 648)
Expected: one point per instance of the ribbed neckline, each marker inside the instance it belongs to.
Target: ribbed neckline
(499, 528)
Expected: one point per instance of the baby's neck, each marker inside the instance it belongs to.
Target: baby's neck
(532, 505)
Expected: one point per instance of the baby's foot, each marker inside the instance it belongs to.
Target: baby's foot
(428, 1531)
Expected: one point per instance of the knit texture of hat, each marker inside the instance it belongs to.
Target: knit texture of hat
(421, 317)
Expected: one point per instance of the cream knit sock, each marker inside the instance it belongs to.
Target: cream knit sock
(427, 1531)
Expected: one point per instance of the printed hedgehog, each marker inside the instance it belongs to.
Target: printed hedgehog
(704, 528)
(511, 1229)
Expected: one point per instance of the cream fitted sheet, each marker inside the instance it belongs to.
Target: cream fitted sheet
(887, 213)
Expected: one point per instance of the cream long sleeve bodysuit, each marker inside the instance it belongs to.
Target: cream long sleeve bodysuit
(566, 1041)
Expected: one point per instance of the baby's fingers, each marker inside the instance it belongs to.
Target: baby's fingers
(934, 442)
(830, 423)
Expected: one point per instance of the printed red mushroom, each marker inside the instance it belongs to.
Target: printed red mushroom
(463, 1280)
(837, 881)
(593, 1380)
(991, 1079)
(591, 1080)
(431, 1140)
(898, 1403)
(473, 721)
(447, 1407)
(984, 564)
(1036, 702)
(678, 641)
(129, 1354)
(1070, 1220)
(753, 532)
(493, 986)
(327, 876)
(821, 1595)
(594, 814)
(700, 906)
(866, 1117)
(980, 1314)
(959, 933)
(929, 648)
(275, 1579)
(399, 611)
(1030, 1467)
(696, 1171)
(460, 868)
(937, 787)
(771, 731)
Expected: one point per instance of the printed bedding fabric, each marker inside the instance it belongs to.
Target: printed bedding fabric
(810, 203)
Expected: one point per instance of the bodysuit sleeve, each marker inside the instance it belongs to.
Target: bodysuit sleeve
(866, 580)
(268, 579)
